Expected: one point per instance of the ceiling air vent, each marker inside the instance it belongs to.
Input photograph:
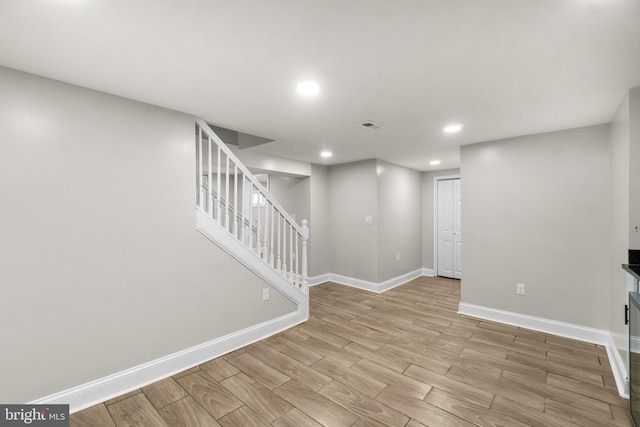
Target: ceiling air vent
(371, 125)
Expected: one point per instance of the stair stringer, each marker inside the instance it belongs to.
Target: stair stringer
(227, 242)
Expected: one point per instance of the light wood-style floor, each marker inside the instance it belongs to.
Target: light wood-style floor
(402, 358)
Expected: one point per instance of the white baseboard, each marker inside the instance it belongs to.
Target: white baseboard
(365, 284)
(567, 330)
(428, 272)
(618, 368)
(103, 389)
(321, 278)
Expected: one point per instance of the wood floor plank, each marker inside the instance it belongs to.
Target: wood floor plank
(219, 369)
(410, 386)
(531, 335)
(470, 412)
(472, 373)
(314, 329)
(363, 339)
(164, 392)
(293, 350)
(498, 327)
(362, 382)
(261, 350)
(570, 343)
(620, 414)
(382, 359)
(97, 416)
(460, 390)
(312, 378)
(331, 352)
(418, 409)
(296, 418)
(584, 415)
(136, 411)
(362, 405)
(557, 368)
(586, 389)
(259, 370)
(186, 372)
(256, 396)
(243, 417)
(295, 335)
(315, 405)
(584, 363)
(122, 397)
(534, 372)
(214, 398)
(528, 415)
(187, 413)
(411, 357)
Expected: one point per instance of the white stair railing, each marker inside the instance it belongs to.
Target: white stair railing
(234, 198)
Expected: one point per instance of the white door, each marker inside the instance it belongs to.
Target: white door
(457, 230)
(449, 237)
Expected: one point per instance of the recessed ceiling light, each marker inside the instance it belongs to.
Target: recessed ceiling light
(453, 128)
(308, 88)
(326, 154)
(434, 162)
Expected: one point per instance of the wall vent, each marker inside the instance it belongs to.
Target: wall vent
(369, 124)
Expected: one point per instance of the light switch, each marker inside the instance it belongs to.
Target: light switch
(368, 220)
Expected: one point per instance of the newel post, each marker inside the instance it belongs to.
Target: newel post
(305, 238)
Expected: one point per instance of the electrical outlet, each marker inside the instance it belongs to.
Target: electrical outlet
(368, 220)
(398, 256)
(265, 294)
(520, 289)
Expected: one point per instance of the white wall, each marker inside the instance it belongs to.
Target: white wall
(102, 268)
(536, 211)
(427, 213)
(399, 220)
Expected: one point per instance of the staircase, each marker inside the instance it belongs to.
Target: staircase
(235, 211)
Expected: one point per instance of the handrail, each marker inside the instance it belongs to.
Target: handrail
(246, 172)
(262, 225)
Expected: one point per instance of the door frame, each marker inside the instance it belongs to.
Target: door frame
(435, 217)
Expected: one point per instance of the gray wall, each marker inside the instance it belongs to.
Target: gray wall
(352, 196)
(427, 214)
(293, 194)
(536, 211)
(634, 171)
(102, 268)
(619, 224)
(258, 161)
(319, 233)
(625, 209)
(398, 220)
(390, 194)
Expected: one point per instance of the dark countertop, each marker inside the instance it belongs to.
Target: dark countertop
(632, 269)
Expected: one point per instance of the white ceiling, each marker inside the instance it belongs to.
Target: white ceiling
(501, 67)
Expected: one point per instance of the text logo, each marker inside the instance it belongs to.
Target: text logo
(34, 415)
